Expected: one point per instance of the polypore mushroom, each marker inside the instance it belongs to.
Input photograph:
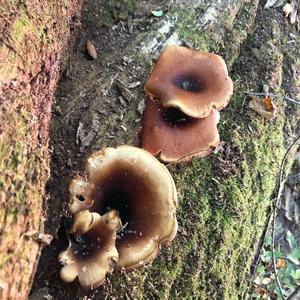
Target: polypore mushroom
(134, 183)
(173, 136)
(92, 251)
(191, 81)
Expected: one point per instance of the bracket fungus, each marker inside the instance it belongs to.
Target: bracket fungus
(191, 81)
(173, 136)
(92, 251)
(134, 183)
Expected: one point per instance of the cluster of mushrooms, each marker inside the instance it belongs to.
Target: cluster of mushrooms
(185, 92)
(126, 208)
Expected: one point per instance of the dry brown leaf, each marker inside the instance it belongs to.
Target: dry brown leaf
(265, 107)
(260, 291)
(280, 263)
(91, 49)
(268, 103)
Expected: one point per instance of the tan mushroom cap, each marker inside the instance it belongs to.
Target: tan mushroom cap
(191, 81)
(93, 252)
(179, 139)
(133, 182)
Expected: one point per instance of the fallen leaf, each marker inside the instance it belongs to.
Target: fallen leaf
(265, 107)
(91, 49)
(268, 103)
(280, 263)
(260, 291)
(257, 280)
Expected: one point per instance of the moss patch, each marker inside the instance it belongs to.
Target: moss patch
(187, 28)
(112, 11)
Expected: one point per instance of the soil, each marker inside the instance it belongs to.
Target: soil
(99, 103)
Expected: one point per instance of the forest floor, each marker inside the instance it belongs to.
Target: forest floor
(99, 103)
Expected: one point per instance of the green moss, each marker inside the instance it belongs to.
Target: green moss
(22, 178)
(188, 31)
(113, 11)
(219, 223)
(22, 25)
(237, 31)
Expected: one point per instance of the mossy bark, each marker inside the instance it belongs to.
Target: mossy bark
(33, 35)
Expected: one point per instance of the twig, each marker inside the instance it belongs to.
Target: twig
(80, 44)
(259, 253)
(274, 207)
(261, 94)
(243, 103)
(291, 99)
(276, 204)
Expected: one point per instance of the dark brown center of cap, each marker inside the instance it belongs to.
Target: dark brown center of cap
(86, 245)
(126, 191)
(188, 83)
(118, 199)
(175, 117)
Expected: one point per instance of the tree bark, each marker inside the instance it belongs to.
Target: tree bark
(33, 35)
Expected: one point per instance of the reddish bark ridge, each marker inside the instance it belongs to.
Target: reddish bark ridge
(32, 38)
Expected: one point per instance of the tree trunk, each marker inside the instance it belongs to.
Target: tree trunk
(224, 200)
(33, 35)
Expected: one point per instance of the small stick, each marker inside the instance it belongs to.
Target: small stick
(276, 204)
(291, 99)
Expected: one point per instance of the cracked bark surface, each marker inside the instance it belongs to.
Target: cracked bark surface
(33, 36)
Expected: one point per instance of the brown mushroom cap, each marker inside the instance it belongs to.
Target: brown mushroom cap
(173, 136)
(92, 252)
(131, 181)
(191, 81)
